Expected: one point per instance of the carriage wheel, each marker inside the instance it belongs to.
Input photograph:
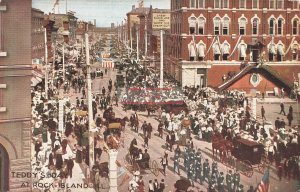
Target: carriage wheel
(154, 168)
(247, 169)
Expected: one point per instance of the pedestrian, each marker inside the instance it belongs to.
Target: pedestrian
(206, 170)
(70, 165)
(144, 128)
(164, 162)
(282, 109)
(279, 171)
(141, 185)
(176, 163)
(290, 118)
(149, 130)
(150, 186)
(263, 112)
(83, 93)
(277, 123)
(156, 185)
(146, 140)
(160, 129)
(291, 109)
(161, 185)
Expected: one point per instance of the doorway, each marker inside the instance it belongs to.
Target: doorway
(4, 169)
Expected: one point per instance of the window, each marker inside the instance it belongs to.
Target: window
(255, 4)
(242, 52)
(225, 4)
(272, 26)
(255, 26)
(272, 4)
(280, 52)
(201, 3)
(295, 27)
(217, 52)
(225, 51)
(192, 25)
(201, 24)
(225, 26)
(272, 52)
(296, 4)
(192, 51)
(201, 51)
(280, 26)
(295, 53)
(218, 4)
(217, 23)
(280, 4)
(242, 26)
(192, 3)
(242, 4)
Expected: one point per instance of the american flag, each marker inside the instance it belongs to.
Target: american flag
(107, 64)
(264, 185)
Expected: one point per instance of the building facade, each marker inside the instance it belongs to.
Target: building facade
(37, 36)
(210, 39)
(15, 100)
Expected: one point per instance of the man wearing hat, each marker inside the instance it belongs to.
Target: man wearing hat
(70, 165)
(206, 169)
(240, 188)
(229, 181)
(176, 163)
(214, 168)
(198, 172)
(221, 182)
(236, 179)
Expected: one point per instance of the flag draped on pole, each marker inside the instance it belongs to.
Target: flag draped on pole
(264, 185)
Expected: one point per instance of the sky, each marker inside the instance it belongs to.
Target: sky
(104, 11)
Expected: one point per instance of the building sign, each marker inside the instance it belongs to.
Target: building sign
(134, 19)
(161, 21)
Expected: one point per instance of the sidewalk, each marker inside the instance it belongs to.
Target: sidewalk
(270, 100)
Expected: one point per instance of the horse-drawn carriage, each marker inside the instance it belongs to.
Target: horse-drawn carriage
(247, 155)
(132, 164)
(112, 135)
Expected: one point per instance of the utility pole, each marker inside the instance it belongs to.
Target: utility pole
(90, 110)
(63, 61)
(146, 38)
(137, 45)
(130, 39)
(161, 77)
(46, 64)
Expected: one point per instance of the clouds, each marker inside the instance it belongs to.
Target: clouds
(104, 11)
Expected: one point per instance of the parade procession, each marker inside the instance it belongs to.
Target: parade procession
(149, 96)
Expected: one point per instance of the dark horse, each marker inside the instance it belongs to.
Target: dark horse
(222, 145)
(121, 121)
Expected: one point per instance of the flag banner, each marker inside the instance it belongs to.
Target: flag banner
(264, 185)
(108, 64)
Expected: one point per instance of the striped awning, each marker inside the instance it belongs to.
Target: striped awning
(225, 49)
(280, 50)
(243, 51)
(201, 50)
(272, 49)
(108, 64)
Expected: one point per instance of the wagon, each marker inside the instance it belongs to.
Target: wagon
(247, 155)
(132, 165)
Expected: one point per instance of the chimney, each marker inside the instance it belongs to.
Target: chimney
(133, 7)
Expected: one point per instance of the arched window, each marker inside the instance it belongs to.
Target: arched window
(280, 52)
(295, 25)
(217, 25)
(217, 51)
(192, 51)
(201, 51)
(280, 26)
(272, 26)
(242, 52)
(295, 52)
(201, 25)
(255, 23)
(225, 51)
(192, 24)
(242, 26)
(226, 23)
(271, 51)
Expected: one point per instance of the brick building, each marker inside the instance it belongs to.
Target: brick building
(210, 39)
(37, 36)
(15, 100)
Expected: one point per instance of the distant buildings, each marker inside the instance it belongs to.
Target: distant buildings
(37, 36)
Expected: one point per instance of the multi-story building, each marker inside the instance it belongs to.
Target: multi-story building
(210, 39)
(51, 35)
(15, 99)
(37, 36)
